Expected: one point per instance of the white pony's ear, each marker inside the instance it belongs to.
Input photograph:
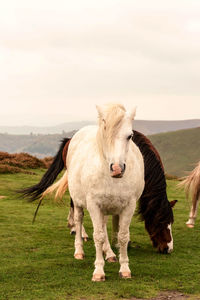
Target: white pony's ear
(100, 112)
(101, 115)
(133, 113)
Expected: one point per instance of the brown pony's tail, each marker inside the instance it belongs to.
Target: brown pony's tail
(191, 184)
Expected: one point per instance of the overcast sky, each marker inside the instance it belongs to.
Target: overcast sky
(59, 58)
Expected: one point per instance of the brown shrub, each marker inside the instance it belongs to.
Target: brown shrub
(5, 155)
(18, 162)
(8, 169)
(48, 161)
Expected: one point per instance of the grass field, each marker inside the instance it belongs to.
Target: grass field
(36, 261)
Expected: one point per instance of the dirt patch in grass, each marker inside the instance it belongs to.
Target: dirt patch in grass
(170, 295)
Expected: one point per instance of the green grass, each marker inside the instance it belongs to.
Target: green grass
(36, 261)
(179, 150)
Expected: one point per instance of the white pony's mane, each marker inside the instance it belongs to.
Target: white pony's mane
(110, 119)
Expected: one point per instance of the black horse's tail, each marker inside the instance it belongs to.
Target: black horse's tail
(34, 192)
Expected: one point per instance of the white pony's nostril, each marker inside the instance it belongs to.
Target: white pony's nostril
(123, 167)
(116, 170)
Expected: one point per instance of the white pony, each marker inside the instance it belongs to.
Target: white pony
(105, 175)
(191, 184)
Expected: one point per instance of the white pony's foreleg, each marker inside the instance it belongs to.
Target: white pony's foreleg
(123, 239)
(78, 218)
(99, 239)
(192, 216)
(115, 230)
(109, 254)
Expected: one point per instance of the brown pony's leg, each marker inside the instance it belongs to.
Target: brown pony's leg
(115, 230)
(192, 216)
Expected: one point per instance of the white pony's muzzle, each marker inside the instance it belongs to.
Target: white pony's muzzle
(117, 170)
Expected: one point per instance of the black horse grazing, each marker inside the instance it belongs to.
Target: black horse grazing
(154, 207)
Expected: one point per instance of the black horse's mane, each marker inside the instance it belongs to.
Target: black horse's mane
(154, 207)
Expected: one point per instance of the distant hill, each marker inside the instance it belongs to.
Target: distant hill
(153, 127)
(179, 150)
(147, 127)
(59, 129)
(38, 145)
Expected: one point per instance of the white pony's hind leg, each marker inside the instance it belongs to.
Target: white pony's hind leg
(72, 226)
(78, 218)
(70, 220)
(85, 236)
(99, 239)
(109, 254)
(192, 216)
(123, 239)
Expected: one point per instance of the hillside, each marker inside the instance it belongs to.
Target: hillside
(147, 127)
(154, 127)
(179, 150)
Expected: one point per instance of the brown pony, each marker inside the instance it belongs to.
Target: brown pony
(191, 185)
(154, 207)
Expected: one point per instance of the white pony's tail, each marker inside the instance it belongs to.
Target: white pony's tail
(191, 184)
(60, 187)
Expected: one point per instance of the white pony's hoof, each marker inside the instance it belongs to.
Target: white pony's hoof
(125, 275)
(79, 256)
(190, 225)
(111, 259)
(98, 277)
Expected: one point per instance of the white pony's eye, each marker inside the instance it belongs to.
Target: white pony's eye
(130, 136)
